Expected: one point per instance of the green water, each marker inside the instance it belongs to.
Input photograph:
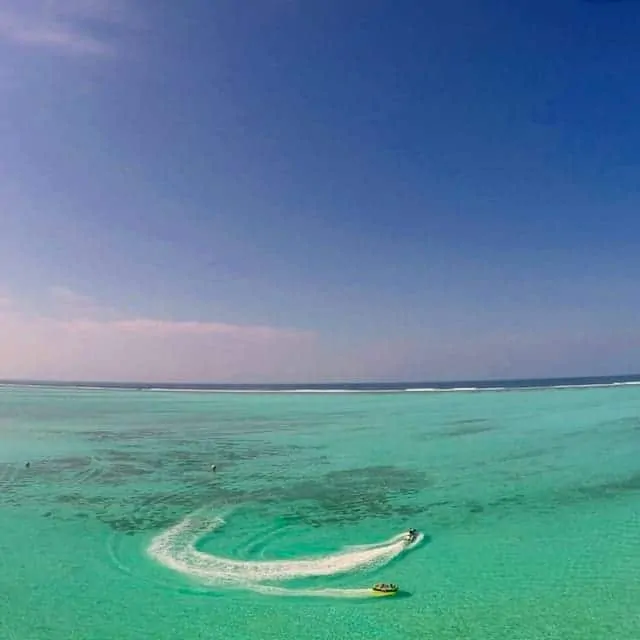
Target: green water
(528, 502)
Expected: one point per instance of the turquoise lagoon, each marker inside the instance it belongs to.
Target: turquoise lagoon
(528, 502)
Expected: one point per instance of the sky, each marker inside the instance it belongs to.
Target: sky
(279, 190)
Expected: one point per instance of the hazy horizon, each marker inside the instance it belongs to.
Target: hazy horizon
(603, 380)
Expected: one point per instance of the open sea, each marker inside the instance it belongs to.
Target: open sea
(526, 495)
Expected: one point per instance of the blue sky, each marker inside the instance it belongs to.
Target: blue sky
(284, 190)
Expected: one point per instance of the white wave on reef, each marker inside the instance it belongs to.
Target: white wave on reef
(444, 390)
(176, 549)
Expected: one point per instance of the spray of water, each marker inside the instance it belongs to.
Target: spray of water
(176, 549)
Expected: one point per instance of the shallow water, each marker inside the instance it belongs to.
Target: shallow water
(528, 502)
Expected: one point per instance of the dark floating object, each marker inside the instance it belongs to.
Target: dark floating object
(27, 465)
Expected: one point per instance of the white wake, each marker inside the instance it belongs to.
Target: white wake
(176, 549)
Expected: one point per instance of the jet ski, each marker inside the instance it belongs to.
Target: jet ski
(412, 536)
(383, 589)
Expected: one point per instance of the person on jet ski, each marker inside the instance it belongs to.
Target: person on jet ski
(413, 534)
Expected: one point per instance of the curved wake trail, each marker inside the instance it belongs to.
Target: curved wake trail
(176, 549)
(318, 593)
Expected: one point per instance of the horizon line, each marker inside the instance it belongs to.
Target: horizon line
(301, 384)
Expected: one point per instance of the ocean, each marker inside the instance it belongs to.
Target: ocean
(526, 495)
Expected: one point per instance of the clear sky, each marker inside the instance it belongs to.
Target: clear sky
(283, 190)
